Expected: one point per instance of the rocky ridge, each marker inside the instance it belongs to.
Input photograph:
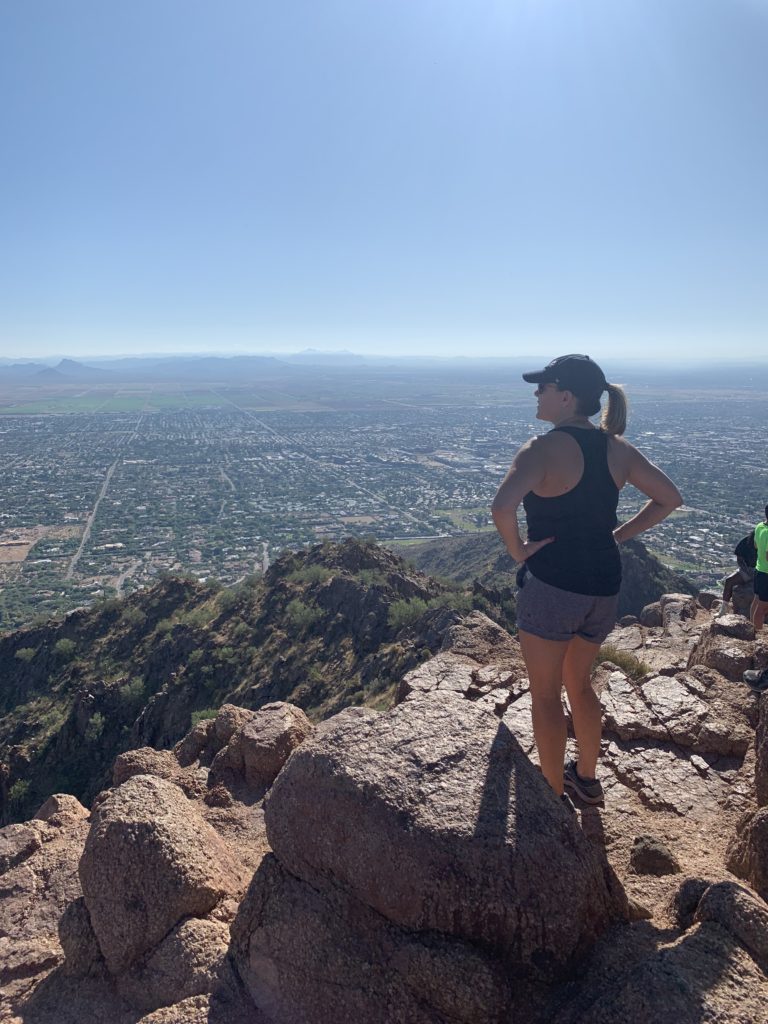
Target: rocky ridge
(480, 560)
(411, 865)
(329, 627)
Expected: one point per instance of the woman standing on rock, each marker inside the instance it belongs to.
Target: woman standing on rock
(568, 482)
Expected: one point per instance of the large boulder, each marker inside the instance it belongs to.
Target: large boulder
(432, 818)
(322, 957)
(205, 739)
(483, 640)
(676, 609)
(149, 861)
(38, 881)
(707, 975)
(259, 748)
(740, 912)
(188, 962)
(727, 645)
(163, 764)
(748, 851)
(651, 615)
(62, 809)
(690, 709)
(446, 671)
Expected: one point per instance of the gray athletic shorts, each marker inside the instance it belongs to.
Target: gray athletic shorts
(555, 614)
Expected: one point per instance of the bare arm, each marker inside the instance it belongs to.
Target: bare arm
(663, 496)
(527, 471)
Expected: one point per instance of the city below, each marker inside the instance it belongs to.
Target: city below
(117, 473)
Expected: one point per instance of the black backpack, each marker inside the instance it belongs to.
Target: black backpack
(746, 550)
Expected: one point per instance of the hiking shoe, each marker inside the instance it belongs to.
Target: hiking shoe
(588, 790)
(756, 679)
(567, 803)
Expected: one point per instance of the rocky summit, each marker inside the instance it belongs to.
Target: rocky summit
(410, 865)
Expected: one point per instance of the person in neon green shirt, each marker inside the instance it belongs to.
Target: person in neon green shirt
(759, 607)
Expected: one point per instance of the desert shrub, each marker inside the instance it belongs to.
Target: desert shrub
(64, 649)
(133, 617)
(95, 728)
(227, 599)
(628, 663)
(300, 615)
(241, 632)
(18, 792)
(316, 674)
(403, 613)
(203, 715)
(226, 655)
(133, 692)
(372, 577)
(310, 574)
(457, 601)
(196, 618)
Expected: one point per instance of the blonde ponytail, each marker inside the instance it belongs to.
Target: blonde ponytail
(614, 418)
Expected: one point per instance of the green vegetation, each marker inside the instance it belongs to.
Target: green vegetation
(372, 577)
(469, 520)
(25, 654)
(628, 663)
(133, 617)
(64, 649)
(18, 793)
(404, 613)
(310, 574)
(95, 727)
(301, 616)
(203, 716)
(133, 693)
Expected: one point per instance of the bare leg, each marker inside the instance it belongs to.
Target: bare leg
(544, 663)
(585, 707)
(730, 583)
(757, 613)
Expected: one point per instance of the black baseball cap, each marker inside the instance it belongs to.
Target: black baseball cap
(575, 373)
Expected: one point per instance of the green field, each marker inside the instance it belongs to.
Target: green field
(141, 401)
(467, 519)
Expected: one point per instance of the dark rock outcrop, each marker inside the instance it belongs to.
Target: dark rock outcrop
(650, 856)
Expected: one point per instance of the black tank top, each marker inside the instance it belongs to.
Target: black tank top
(583, 558)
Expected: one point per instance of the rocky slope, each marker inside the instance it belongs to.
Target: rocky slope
(327, 628)
(411, 865)
(480, 561)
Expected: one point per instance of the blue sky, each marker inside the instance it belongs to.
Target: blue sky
(410, 176)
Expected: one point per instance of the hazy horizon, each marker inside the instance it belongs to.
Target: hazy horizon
(534, 358)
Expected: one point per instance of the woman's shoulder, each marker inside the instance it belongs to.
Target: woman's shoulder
(621, 445)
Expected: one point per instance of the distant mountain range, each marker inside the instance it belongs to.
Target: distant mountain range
(210, 368)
